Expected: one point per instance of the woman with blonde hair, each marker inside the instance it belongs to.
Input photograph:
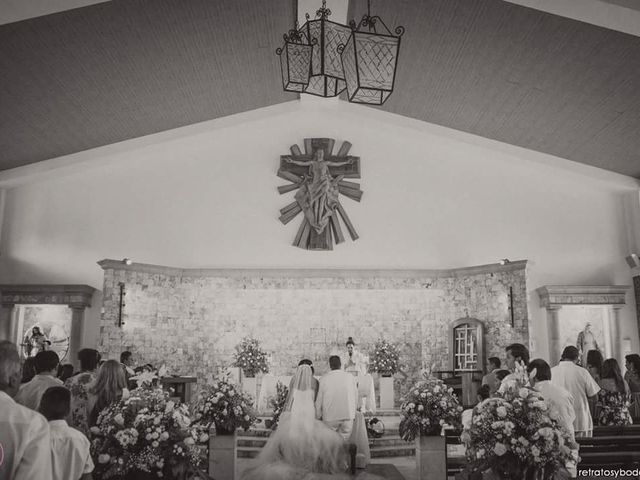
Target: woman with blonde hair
(109, 387)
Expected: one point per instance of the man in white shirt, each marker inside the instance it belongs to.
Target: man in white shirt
(24, 434)
(580, 385)
(46, 369)
(70, 455)
(336, 400)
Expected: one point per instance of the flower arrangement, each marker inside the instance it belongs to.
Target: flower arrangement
(516, 435)
(429, 405)
(384, 358)
(225, 406)
(613, 408)
(250, 357)
(277, 403)
(145, 433)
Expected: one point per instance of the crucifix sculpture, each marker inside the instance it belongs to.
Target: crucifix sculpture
(318, 176)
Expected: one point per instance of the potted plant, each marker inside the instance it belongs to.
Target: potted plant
(429, 405)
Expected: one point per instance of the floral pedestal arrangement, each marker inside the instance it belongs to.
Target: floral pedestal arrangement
(222, 408)
(222, 455)
(431, 457)
(385, 359)
(517, 436)
(428, 406)
(387, 396)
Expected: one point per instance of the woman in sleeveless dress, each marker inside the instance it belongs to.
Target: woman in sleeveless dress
(302, 448)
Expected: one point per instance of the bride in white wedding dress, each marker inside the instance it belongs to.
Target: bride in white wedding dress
(301, 448)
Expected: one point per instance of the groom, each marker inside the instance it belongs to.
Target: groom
(337, 397)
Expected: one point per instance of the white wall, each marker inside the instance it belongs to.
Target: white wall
(205, 196)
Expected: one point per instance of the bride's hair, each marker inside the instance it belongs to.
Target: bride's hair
(350, 341)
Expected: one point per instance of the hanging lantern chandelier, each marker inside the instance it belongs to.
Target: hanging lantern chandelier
(369, 60)
(323, 58)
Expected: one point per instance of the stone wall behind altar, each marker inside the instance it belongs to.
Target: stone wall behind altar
(192, 319)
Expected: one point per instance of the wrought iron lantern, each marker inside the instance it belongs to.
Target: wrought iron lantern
(295, 61)
(324, 58)
(327, 77)
(369, 60)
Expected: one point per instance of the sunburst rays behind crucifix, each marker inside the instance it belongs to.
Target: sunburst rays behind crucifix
(318, 176)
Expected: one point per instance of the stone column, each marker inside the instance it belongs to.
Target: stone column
(75, 339)
(614, 330)
(7, 322)
(553, 333)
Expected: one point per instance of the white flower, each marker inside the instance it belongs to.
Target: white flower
(523, 392)
(169, 406)
(480, 453)
(103, 458)
(501, 411)
(500, 449)
(420, 408)
(189, 441)
(164, 436)
(119, 419)
(154, 444)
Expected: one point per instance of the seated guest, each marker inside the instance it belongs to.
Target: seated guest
(490, 378)
(77, 385)
(28, 369)
(70, 457)
(24, 434)
(109, 387)
(65, 371)
(633, 379)
(558, 399)
(594, 367)
(500, 374)
(484, 392)
(594, 364)
(613, 398)
(572, 377)
(516, 353)
(46, 370)
(633, 372)
(126, 360)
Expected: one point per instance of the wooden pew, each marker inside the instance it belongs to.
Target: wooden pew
(609, 451)
(455, 464)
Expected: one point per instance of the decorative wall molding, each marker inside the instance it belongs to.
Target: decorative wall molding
(75, 296)
(241, 273)
(558, 295)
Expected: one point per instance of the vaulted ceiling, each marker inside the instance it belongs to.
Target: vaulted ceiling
(112, 71)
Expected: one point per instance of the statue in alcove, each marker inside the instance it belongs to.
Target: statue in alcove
(586, 341)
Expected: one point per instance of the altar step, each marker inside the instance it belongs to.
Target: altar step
(250, 443)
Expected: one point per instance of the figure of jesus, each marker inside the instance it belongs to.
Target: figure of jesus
(36, 342)
(318, 195)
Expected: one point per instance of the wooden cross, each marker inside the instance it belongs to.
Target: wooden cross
(307, 237)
